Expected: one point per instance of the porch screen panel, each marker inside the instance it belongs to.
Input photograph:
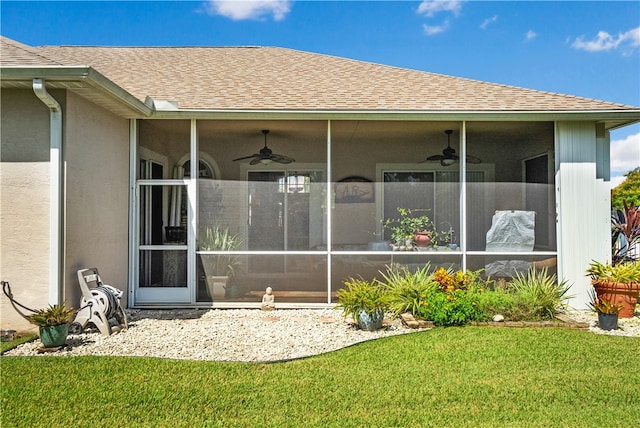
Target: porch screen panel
(513, 211)
(413, 190)
(303, 279)
(373, 266)
(170, 269)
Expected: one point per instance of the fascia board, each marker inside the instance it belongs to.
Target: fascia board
(624, 116)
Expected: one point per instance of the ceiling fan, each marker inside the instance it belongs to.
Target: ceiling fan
(448, 156)
(266, 155)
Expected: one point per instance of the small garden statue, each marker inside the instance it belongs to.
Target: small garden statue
(268, 300)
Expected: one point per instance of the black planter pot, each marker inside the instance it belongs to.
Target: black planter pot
(607, 321)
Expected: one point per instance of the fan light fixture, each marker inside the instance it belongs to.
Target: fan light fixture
(448, 156)
(447, 162)
(266, 155)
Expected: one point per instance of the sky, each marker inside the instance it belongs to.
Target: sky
(584, 48)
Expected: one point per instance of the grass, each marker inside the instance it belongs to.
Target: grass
(5, 346)
(470, 376)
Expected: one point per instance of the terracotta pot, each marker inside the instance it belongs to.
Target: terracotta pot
(422, 239)
(625, 294)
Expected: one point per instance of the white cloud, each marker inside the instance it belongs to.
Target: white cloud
(605, 42)
(430, 30)
(488, 21)
(238, 10)
(625, 154)
(431, 7)
(530, 36)
(616, 181)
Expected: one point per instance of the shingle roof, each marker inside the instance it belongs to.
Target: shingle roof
(272, 78)
(15, 53)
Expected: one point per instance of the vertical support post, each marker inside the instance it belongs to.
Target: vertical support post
(192, 217)
(329, 195)
(583, 207)
(134, 200)
(463, 194)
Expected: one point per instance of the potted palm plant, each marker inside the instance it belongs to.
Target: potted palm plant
(617, 283)
(53, 324)
(218, 268)
(365, 301)
(607, 312)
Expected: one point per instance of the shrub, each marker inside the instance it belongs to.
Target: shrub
(406, 288)
(540, 292)
(362, 295)
(504, 302)
(449, 308)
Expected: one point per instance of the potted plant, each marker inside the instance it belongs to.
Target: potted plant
(53, 324)
(618, 284)
(365, 301)
(410, 229)
(607, 311)
(218, 267)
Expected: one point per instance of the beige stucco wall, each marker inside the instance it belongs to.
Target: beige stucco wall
(97, 195)
(24, 203)
(96, 216)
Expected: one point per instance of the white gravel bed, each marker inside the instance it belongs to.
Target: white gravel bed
(626, 326)
(245, 335)
(248, 335)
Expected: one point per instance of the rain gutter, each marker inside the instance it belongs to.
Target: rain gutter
(55, 191)
(622, 116)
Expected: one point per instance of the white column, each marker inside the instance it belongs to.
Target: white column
(134, 228)
(583, 207)
(329, 195)
(192, 220)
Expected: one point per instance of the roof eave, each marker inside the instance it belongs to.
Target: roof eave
(89, 83)
(616, 118)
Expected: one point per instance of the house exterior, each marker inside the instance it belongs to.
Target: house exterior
(126, 159)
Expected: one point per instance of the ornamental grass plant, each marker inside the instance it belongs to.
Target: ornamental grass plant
(541, 292)
(408, 289)
(362, 295)
(454, 298)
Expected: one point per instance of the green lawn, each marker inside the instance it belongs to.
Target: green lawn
(472, 376)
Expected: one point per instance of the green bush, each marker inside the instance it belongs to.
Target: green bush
(504, 302)
(361, 295)
(449, 308)
(541, 292)
(456, 298)
(407, 289)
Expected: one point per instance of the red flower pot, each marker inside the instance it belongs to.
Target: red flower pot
(625, 294)
(422, 239)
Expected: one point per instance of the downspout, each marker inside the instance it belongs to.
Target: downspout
(55, 191)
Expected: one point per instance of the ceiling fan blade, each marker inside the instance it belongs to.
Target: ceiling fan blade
(247, 157)
(473, 159)
(435, 158)
(266, 155)
(281, 158)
